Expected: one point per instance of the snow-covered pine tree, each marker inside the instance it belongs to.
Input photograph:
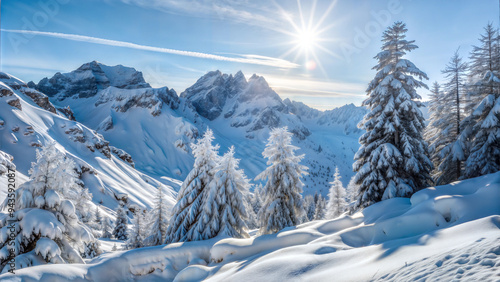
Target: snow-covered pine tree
(336, 197)
(193, 191)
(282, 206)
(114, 249)
(224, 209)
(92, 249)
(310, 207)
(320, 211)
(106, 228)
(46, 225)
(136, 233)
(120, 230)
(82, 204)
(352, 191)
(158, 221)
(256, 199)
(98, 217)
(393, 158)
(483, 126)
(251, 220)
(447, 150)
(438, 122)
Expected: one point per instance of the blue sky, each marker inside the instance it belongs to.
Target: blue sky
(317, 52)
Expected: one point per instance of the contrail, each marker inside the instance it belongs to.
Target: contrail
(245, 59)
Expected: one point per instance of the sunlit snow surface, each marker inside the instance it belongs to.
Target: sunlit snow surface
(108, 179)
(447, 232)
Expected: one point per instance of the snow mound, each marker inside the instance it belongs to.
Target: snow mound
(441, 233)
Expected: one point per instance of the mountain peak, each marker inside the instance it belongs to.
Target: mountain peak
(258, 80)
(239, 74)
(91, 77)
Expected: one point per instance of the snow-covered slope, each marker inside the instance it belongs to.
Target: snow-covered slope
(155, 126)
(440, 233)
(108, 172)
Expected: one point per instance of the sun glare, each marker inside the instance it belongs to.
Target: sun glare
(306, 39)
(307, 33)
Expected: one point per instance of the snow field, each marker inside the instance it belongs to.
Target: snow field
(445, 232)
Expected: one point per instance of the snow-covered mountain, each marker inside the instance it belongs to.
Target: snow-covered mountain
(239, 103)
(28, 120)
(155, 125)
(348, 115)
(88, 79)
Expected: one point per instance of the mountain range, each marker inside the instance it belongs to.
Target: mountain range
(128, 137)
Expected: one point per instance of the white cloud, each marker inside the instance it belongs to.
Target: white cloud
(295, 86)
(243, 58)
(257, 13)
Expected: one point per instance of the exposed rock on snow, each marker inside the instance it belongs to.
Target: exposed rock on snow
(4, 90)
(67, 112)
(152, 99)
(39, 98)
(122, 155)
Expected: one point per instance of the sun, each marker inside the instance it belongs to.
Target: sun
(306, 39)
(308, 34)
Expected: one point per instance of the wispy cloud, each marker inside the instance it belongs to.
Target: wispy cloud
(242, 58)
(296, 86)
(319, 94)
(256, 13)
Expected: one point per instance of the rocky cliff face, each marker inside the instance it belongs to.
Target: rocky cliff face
(250, 104)
(88, 79)
(210, 93)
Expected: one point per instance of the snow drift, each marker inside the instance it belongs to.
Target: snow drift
(443, 232)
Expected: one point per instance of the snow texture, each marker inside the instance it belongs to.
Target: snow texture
(440, 233)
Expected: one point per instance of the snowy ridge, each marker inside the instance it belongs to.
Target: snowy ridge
(443, 232)
(107, 171)
(347, 116)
